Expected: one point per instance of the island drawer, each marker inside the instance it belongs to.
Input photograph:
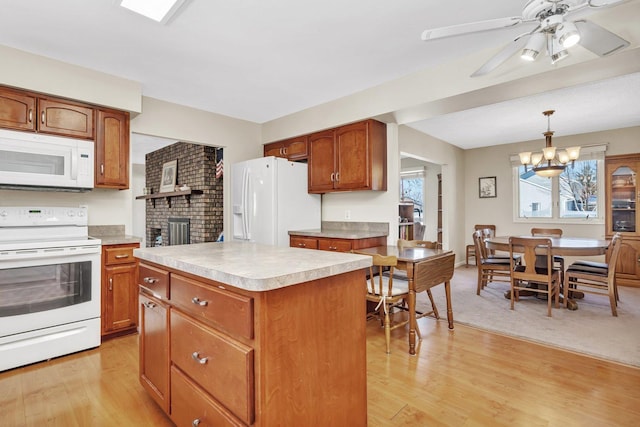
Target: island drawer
(303, 242)
(190, 405)
(230, 312)
(120, 254)
(222, 366)
(154, 280)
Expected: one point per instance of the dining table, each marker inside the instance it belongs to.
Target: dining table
(561, 246)
(408, 258)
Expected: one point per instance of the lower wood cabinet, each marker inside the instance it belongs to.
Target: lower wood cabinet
(213, 354)
(154, 348)
(119, 290)
(335, 244)
(628, 267)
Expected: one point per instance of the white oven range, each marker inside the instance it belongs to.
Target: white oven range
(49, 284)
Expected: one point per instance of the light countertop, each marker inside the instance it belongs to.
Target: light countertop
(346, 230)
(251, 266)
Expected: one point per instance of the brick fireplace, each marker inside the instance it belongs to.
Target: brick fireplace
(203, 212)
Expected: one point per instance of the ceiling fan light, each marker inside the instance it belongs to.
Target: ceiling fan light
(533, 47)
(568, 35)
(557, 51)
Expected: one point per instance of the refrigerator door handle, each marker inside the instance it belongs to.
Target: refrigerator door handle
(245, 202)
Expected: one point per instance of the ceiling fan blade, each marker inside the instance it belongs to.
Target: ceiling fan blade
(605, 3)
(507, 52)
(472, 27)
(598, 40)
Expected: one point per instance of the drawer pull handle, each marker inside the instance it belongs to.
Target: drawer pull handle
(199, 302)
(150, 280)
(149, 304)
(195, 422)
(197, 358)
(122, 256)
(302, 245)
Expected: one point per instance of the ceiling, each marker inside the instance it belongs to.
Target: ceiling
(259, 60)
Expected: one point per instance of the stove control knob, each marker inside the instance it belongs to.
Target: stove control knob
(71, 213)
(3, 213)
(80, 213)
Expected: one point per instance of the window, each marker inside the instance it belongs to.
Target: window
(577, 194)
(412, 190)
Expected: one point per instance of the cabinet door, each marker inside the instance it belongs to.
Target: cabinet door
(296, 148)
(59, 117)
(120, 305)
(112, 150)
(321, 162)
(353, 157)
(154, 349)
(628, 267)
(17, 110)
(274, 149)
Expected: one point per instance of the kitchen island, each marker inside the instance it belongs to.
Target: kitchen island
(237, 333)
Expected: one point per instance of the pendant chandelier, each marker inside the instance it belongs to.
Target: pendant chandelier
(550, 162)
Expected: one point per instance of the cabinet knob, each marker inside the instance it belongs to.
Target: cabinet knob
(42, 117)
(110, 283)
(195, 422)
(30, 115)
(302, 245)
(201, 360)
(199, 302)
(150, 280)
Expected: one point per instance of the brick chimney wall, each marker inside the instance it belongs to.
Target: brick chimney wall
(197, 169)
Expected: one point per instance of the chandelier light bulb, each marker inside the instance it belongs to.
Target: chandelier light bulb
(563, 157)
(573, 152)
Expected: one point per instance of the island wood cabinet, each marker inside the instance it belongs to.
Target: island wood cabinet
(119, 290)
(348, 158)
(335, 244)
(621, 215)
(112, 149)
(293, 149)
(212, 354)
(154, 347)
(21, 110)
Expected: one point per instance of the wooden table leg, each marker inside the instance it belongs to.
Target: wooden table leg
(412, 310)
(447, 290)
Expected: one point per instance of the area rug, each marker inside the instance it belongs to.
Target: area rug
(590, 330)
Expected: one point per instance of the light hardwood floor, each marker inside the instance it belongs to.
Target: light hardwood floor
(462, 378)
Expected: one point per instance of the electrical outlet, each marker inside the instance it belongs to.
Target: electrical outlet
(347, 214)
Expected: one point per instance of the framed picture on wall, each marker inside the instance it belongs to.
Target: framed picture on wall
(169, 173)
(487, 187)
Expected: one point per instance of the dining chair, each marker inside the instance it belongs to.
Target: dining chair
(598, 277)
(551, 232)
(531, 276)
(489, 269)
(386, 291)
(471, 249)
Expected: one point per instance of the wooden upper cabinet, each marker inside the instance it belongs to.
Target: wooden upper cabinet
(112, 149)
(26, 111)
(65, 118)
(293, 149)
(348, 158)
(321, 170)
(17, 110)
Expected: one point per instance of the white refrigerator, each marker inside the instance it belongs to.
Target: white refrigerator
(269, 197)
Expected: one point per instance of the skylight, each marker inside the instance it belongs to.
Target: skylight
(158, 10)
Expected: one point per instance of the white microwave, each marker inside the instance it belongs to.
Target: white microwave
(33, 161)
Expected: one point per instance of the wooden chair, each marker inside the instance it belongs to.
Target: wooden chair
(386, 291)
(551, 232)
(430, 273)
(490, 269)
(471, 249)
(598, 277)
(531, 276)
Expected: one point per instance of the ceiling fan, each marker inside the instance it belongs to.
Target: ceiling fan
(555, 27)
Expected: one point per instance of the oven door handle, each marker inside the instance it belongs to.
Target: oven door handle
(30, 254)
